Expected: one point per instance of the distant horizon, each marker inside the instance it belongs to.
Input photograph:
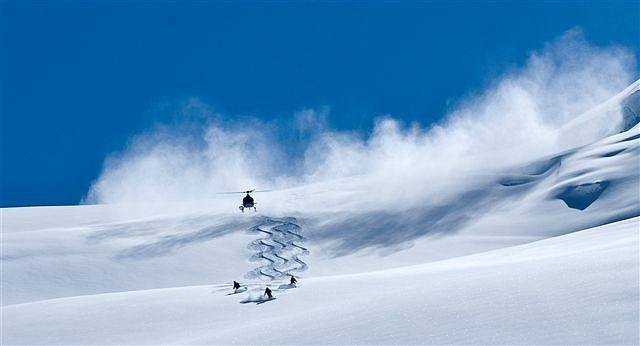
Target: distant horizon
(85, 83)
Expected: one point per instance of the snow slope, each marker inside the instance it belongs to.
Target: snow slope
(544, 253)
(579, 288)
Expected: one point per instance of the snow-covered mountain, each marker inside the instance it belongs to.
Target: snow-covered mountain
(540, 253)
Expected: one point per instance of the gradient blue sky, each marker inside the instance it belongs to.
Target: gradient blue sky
(78, 80)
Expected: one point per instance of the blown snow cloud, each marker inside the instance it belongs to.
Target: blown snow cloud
(517, 118)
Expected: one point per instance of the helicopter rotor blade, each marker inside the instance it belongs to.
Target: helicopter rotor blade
(246, 191)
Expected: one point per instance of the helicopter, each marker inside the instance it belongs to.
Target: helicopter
(247, 202)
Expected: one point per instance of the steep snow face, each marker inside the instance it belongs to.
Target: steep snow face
(630, 105)
(631, 110)
(617, 114)
(574, 289)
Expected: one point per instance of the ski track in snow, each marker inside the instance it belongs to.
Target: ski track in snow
(277, 249)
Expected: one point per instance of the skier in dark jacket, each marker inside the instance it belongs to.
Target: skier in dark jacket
(293, 280)
(236, 285)
(267, 293)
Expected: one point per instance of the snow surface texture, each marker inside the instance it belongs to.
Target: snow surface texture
(579, 288)
(544, 252)
(278, 248)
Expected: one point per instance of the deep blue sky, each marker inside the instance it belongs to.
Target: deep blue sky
(77, 80)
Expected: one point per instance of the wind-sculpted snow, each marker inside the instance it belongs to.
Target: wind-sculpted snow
(532, 172)
(600, 181)
(277, 249)
(581, 196)
(581, 177)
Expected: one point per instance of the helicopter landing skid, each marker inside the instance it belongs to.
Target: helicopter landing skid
(242, 208)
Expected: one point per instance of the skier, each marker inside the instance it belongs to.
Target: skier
(267, 293)
(236, 285)
(293, 280)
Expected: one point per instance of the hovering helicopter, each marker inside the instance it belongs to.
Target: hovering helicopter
(248, 201)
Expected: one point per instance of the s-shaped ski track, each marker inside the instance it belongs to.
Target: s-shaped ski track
(277, 250)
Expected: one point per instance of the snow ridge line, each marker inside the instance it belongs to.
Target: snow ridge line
(277, 250)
